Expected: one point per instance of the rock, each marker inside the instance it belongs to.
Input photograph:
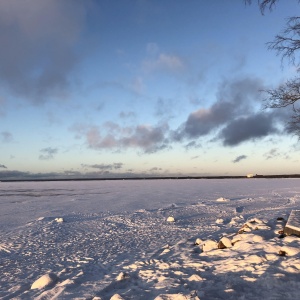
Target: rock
(198, 242)
(170, 219)
(219, 221)
(122, 276)
(281, 253)
(224, 243)
(209, 245)
(44, 281)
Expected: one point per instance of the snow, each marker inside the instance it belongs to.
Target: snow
(110, 239)
(293, 221)
(44, 281)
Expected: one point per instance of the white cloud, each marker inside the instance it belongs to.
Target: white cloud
(164, 62)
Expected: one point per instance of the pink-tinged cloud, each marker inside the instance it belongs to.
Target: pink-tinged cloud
(147, 138)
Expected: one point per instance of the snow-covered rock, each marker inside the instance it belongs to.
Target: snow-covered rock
(116, 297)
(222, 199)
(59, 220)
(44, 281)
(175, 297)
(225, 242)
(198, 241)
(122, 276)
(209, 245)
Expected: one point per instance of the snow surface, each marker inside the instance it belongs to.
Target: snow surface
(112, 240)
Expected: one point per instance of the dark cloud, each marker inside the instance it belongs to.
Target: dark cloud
(6, 137)
(239, 158)
(48, 153)
(235, 117)
(13, 175)
(38, 45)
(248, 128)
(234, 99)
(3, 167)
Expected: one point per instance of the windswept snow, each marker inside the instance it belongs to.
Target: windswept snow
(113, 240)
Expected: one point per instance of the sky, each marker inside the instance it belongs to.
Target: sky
(141, 88)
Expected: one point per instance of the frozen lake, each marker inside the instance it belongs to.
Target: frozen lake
(23, 201)
(111, 239)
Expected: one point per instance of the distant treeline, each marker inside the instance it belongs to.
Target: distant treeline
(154, 178)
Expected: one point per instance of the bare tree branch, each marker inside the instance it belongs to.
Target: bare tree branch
(294, 124)
(287, 43)
(285, 95)
(263, 4)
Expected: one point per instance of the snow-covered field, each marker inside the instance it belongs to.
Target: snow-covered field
(149, 239)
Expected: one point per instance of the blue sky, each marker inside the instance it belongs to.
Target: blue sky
(137, 87)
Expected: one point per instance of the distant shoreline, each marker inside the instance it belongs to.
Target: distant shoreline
(153, 178)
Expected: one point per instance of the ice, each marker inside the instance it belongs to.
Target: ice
(111, 240)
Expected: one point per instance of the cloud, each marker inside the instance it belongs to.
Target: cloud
(40, 39)
(248, 128)
(3, 167)
(235, 117)
(103, 167)
(147, 138)
(192, 145)
(234, 99)
(164, 62)
(127, 115)
(165, 108)
(239, 158)
(155, 169)
(273, 153)
(47, 153)
(7, 137)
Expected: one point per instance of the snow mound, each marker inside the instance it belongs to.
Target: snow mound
(44, 281)
(59, 220)
(222, 199)
(175, 297)
(116, 297)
